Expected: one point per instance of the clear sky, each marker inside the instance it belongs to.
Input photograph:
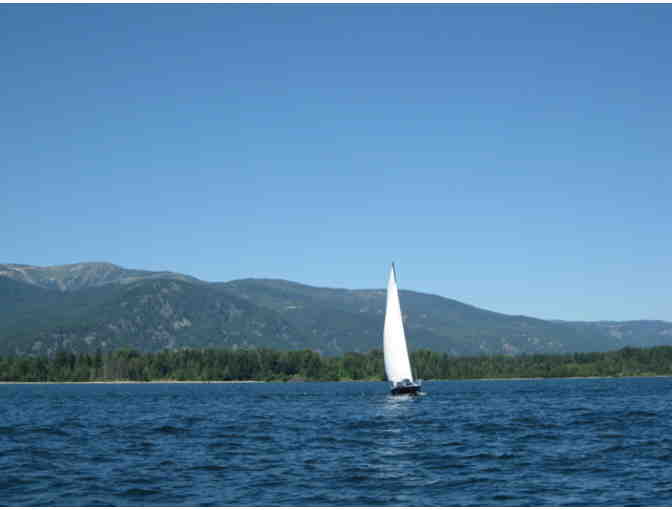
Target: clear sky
(516, 158)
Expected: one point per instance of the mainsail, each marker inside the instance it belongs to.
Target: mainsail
(397, 365)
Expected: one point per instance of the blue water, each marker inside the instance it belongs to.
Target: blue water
(585, 442)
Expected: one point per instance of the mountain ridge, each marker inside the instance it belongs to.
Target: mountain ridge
(98, 305)
(67, 277)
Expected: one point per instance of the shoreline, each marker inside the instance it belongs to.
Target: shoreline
(130, 382)
(159, 381)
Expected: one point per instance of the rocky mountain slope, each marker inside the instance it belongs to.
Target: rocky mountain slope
(90, 306)
(79, 276)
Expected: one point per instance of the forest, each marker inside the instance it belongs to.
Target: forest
(263, 364)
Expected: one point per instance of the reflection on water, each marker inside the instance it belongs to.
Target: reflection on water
(397, 446)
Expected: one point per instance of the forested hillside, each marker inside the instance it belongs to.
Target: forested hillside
(82, 308)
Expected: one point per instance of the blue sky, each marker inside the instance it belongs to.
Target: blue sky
(516, 158)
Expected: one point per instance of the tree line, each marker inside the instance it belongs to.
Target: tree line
(273, 365)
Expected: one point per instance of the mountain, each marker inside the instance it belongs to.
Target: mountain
(79, 276)
(627, 333)
(89, 306)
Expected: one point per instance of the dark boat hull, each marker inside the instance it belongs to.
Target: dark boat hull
(406, 390)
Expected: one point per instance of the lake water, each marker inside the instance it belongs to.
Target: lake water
(588, 442)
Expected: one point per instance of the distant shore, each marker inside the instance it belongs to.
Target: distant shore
(159, 381)
(130, 382)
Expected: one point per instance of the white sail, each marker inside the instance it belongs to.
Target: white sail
(397, 364)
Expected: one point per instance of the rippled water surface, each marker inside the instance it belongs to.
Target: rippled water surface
(549, 442)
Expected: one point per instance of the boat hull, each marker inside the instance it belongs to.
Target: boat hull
(406, 390)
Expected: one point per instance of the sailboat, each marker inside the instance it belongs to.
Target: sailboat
(397, 363)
